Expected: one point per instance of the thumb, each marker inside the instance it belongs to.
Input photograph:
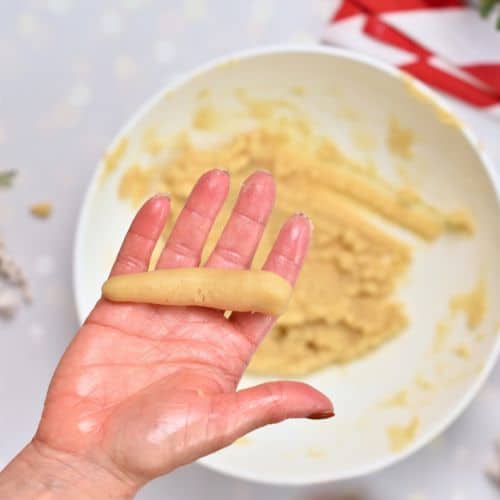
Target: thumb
(270, 403)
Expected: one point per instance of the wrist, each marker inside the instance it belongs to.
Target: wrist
(44, 473)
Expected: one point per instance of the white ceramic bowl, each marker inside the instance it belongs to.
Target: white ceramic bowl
(451, 172)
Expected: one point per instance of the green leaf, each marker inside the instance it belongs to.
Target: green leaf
(486, 6)
(6, 178)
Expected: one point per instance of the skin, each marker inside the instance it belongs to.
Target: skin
(143, 389)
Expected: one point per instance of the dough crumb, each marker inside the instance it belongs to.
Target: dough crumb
(41, 210)
(363, 140)
(203, 94)
(298, 91)
(408, 196)
(472, 304)
(243, 441)
(460, 221)
(461, 351)
(442, 330)
(398, 399)
(152, 142)
(401, 436)
(480, 336)
(399, 140)
(315, 452)
(447, 118)
(423, 383)
(406, 175)
(347, 113)
(135, 184)
(205, 118)
(442, 114)
(113, 157)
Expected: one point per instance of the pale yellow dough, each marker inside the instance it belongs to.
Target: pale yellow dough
(343, 304)
(225, 289)
(472, 303)
(401, 436)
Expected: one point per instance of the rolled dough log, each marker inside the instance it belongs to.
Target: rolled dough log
(225, 289)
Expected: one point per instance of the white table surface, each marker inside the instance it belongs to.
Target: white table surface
(71, 72)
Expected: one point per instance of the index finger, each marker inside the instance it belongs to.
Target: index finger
(142, 236)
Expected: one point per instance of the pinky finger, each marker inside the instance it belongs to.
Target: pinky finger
(285, 259)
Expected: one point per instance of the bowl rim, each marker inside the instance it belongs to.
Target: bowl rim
(298, 49)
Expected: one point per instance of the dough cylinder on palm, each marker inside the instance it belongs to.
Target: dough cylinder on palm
(224, 289)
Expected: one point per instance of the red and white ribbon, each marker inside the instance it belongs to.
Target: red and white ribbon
(444, 43)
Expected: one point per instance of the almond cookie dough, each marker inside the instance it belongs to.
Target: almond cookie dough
(343, 304)
(225, 289)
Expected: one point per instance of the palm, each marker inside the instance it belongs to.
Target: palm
(151, 387)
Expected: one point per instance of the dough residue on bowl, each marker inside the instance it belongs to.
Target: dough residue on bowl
(401, 436)
(398, 399)
(443, 115)
(113, 157)
(472, 303)
(400, 140)
(343, 304)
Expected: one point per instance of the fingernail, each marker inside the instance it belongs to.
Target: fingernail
(222, 171)
(320, 415)
(258, 182)
(251, 178)
(263, 171)
(162, 195)
(305, 216)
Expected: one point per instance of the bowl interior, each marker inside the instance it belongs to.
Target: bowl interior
(347, 99)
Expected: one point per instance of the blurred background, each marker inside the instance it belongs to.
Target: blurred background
(71, 73)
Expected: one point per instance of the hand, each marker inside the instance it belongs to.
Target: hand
(143, 389)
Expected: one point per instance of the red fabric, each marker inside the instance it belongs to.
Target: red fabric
(347, 9)
(376, 28)
(487, 73)
(381, 6)
(423, 69)
(450, 84)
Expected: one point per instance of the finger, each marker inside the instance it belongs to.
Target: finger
(187, 239)
(243, 231)
(241, 412)
(142, 236)
(285, 259)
